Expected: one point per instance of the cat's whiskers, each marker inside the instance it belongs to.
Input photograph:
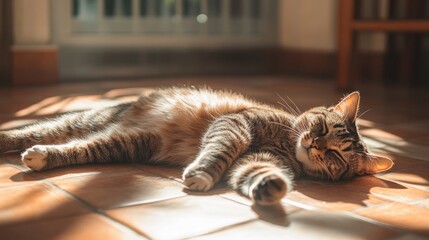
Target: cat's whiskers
(324, 166)
(339, 158)
(327, 171)
(296, 107)
(289, 110)
(294, 132)
(360, 115)
(288, 107)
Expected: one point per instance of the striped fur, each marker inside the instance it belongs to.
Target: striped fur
(215, 135)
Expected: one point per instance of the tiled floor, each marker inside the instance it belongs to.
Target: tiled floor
(148, 202)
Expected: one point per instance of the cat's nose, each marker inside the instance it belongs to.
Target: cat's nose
(319, 143)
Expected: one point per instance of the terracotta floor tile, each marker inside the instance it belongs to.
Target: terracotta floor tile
(168, 172)
(13, 158)
(382, 189)
(366, 124)
(400, 215)
(34, 203)
(305, 225)
(11, 176)
(183, 217)
(380, 135)
(338, 196)
(264, 212)
(390, 135)
(112, 190)
(395, 125)
(373, 143)
(81, 170)
(390, 117)
(423, 203)
(332, 200)
(406, 130)
(11, 122)
(416, 177)
(232, 195)
(397, 192)
(415, 127)
(401, 162)
(407, 149)
(90, 226)
(420, 140)
(3, 162)
(409, 236)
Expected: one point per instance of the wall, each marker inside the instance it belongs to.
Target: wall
(31, 22)
(312, 25)
(308, 24)
(308, 37)
(34, 58)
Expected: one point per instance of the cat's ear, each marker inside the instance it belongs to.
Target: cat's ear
(371, 164)
(349, 106)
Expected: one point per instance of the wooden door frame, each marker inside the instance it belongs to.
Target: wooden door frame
(6, 41)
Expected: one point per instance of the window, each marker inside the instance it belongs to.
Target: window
(178, 17)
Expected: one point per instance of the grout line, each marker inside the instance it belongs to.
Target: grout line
(30, 172)
(411, 186)
(123, 226)
(349, 213)
(221, 229)
(417, 202)
(301, 205)
(375, 222)
(232, 200)
(84, 203)
(90, 207)
(143, 203)
(158, 174)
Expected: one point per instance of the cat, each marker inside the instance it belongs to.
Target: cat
(215, 135)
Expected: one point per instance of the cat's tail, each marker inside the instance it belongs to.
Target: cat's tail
(62, 129)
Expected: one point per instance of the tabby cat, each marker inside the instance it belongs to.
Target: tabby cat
(256, 148)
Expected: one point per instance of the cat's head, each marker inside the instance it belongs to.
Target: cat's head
(330, 146)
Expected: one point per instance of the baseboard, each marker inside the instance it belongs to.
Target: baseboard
(95, 63)
(306, 62)
(41, 65)
(38, 65)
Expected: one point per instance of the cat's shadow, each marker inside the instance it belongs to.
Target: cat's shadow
(359, 191)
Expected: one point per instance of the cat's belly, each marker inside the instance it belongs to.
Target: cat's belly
(181, 137)
(181, 122)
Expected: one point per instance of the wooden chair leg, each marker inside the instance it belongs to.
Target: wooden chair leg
(345, 43)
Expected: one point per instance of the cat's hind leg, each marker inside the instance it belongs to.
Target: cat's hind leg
(61, 129)
(101, 148)
(261, 177)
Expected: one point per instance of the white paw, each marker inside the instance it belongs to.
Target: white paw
(201, 181)
(35, 157)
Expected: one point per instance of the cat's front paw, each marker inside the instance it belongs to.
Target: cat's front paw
(268, 190)
(35, 157)
(198, 181)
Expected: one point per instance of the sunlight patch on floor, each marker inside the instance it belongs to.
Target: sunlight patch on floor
(38, 106)
(17, 123)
